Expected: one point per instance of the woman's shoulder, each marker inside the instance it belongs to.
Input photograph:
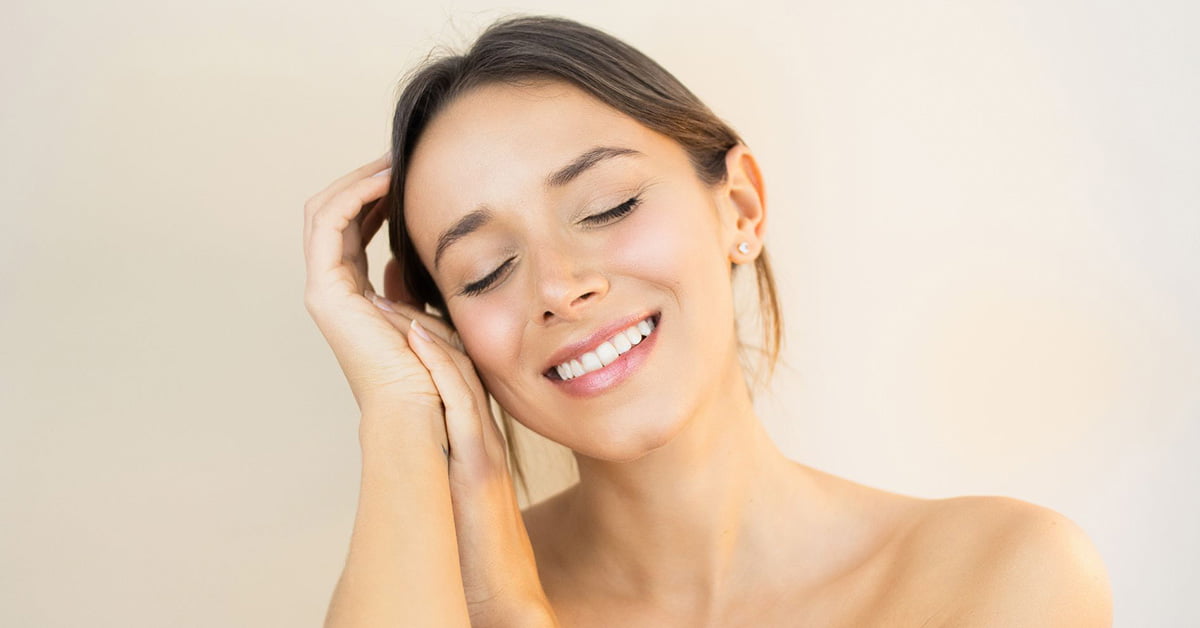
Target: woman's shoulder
(1006, 561)
(972, 560)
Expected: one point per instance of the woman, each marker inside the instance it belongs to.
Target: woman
(566, 220)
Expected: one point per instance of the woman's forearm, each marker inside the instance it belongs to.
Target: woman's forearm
(403, 568)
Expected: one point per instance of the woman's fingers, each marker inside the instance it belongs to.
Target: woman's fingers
(431, 323)
(463, 423)
(401, 316)
(319, 200)
(357, 174)
(326, 251)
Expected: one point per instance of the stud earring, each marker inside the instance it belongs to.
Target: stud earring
(744, 248)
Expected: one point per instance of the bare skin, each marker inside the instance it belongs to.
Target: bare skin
(807, 579)
(686, 513)
(885, 559)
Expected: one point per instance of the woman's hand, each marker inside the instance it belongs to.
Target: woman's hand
(498, 566)
(396, 356)
(339, 221)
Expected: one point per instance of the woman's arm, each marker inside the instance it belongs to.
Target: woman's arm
(434, 463)
(403, 567)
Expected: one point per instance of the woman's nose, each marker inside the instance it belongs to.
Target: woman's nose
(567, 286)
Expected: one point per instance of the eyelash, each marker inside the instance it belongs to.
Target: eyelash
(617, 212)
(612, 215)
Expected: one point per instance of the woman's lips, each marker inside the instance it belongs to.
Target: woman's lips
(617, 371)
(599, 353)
(577, 349)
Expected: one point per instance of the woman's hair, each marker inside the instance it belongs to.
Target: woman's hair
(523, 49)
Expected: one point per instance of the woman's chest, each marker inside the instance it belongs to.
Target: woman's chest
(831, 612)
(877, 594)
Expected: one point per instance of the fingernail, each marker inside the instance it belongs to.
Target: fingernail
(381, 303)
(421, 331)
(383, 173)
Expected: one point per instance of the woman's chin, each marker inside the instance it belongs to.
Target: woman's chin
(631, 444)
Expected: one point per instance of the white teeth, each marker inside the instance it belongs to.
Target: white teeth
(591, 362)
(607, 352)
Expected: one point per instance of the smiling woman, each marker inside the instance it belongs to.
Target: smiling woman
(566, 221)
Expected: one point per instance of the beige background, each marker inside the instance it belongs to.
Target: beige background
(984, 217)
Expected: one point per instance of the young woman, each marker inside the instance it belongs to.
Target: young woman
(566, 220)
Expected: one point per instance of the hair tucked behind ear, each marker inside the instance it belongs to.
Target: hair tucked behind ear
(522, 49)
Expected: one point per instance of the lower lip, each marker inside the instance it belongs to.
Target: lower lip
(609, 377)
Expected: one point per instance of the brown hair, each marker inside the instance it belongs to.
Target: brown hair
(528, 48)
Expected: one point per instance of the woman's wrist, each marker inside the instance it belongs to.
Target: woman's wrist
(388, 428)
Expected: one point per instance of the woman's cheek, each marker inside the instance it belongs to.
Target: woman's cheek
(489, 337)
(655, 248)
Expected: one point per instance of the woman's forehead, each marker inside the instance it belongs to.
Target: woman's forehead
(498, 143)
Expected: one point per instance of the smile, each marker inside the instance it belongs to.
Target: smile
(608, 363)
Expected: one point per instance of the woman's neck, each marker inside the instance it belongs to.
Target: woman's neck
(694, 521)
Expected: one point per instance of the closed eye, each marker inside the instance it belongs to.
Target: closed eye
(617, 212)
(477, 287)
(612, 215)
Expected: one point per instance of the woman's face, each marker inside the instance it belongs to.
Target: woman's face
(558, 269)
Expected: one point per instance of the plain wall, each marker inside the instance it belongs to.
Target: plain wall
(983, 217)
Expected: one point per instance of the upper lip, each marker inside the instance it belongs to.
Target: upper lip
(593, 340)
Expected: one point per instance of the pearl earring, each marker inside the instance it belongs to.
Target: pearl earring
(744, 248)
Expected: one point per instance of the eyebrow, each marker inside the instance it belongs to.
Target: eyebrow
(581, 163)
(464, 226)
(482, 215)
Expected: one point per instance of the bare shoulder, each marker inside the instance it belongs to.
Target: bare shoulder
(1007, 562)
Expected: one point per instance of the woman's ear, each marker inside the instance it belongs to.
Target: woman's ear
(743, 201)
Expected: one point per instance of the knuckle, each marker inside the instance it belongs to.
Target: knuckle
(323, 220)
